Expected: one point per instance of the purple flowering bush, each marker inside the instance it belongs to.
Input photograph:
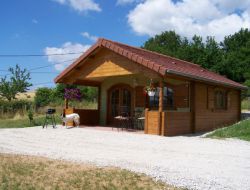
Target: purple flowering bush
(72, 94)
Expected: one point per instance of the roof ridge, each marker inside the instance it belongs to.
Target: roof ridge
(153, 52)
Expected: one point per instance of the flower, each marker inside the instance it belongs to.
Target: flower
(72, 94)
(150, 87)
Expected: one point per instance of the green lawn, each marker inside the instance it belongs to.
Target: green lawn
(245, 104)
(26, 172)
(21, 123)
(239, 130)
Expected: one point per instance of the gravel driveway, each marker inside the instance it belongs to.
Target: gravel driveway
(192, 162)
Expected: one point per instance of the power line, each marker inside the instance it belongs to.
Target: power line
(41, 67)
(45, 72)
(42, 83)
(38, 55)
(36, 68)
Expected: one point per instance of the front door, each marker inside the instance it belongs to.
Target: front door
(120, 102)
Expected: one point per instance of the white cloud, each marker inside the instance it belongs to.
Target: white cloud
(90, 37)
(124, 2)
(188, 17)
(81, 5)
(62, 61)
(34, 21)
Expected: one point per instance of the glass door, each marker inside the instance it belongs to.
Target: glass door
(120, 99)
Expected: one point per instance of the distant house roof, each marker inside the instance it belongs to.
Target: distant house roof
(160, 63)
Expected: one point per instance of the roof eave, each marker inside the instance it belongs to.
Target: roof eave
(241, 87)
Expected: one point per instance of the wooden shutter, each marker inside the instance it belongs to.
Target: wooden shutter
(210, 98)
(228, 100)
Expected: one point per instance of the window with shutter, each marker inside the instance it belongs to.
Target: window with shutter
(220, 99)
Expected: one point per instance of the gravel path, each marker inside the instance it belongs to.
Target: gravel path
(192, 162)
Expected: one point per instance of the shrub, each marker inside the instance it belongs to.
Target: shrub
(43, 96)
(11, 108)
(30, 116)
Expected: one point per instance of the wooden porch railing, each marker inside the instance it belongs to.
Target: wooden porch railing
(87, 116)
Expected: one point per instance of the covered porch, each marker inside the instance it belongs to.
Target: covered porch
(166, 113)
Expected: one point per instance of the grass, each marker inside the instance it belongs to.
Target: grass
(26, 172)
(245, 104)
(24, 122)
(239, 130)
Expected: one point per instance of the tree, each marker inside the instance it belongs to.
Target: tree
(43, 96)
(59, 91)
(16, 83)
(213, 55)
(167, 43)
(197, 51)
(236, 50)
(247, 83)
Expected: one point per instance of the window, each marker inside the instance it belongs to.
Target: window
(220, 99)
(168, 100)
(154, 100)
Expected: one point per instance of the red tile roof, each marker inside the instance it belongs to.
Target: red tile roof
(160, 63)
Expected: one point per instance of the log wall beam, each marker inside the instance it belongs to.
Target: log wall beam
(161, 85)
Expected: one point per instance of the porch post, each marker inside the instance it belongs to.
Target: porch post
(99, 98)
(66, 103)
(146, 121)
(160, 107)
(99, 104)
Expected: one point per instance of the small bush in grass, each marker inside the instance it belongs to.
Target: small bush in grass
(30, 116)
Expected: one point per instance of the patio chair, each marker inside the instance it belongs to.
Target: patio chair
(123, 119)
(139, 118)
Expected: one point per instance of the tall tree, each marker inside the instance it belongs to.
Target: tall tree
(236, 50)
(167, 43)
(197, 51)
(213, 55)
(18, 82)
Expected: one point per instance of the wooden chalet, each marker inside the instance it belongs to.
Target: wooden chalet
(188, 98)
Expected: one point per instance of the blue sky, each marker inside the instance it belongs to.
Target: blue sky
(62, 26)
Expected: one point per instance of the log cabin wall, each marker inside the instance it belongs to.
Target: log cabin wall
(207, 117)
(177, 123)
(202, 115)
(181, 96)
(173, 123)
(151, 122)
